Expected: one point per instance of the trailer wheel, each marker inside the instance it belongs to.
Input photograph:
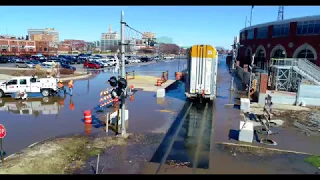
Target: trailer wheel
(1, 93)
(45, 92)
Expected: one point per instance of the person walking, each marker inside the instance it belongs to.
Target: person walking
(70, 85)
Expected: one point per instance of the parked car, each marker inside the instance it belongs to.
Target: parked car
(67, 66)
(51, 62)
(98, 56)
(101, 64)
(35, 62)
(45, 65)
(81, 59)
(4, 59)
(113, 62)
(89, 64)
(106, 63)
(25, 64)
(145, 59)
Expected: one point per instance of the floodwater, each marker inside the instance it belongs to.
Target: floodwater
(228, 118)
(39, 119)
(222, 118)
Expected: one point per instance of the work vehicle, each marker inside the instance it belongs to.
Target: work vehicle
(92, 65)
(201, 74)
(29, 84)
(25, 64)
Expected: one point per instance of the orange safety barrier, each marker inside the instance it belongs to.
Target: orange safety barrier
(87, 117)
(178, 75)
(88, 129)
(105, 98)
(159, 82)
(132, 98)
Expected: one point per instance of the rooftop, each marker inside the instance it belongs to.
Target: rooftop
(305, 18)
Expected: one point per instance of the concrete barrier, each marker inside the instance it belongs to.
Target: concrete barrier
(308, 94)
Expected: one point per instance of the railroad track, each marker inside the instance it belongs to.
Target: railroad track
(187, 142)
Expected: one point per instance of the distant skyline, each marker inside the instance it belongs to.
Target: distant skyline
(186, 25)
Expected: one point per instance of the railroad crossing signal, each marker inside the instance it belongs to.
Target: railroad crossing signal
(3, 131)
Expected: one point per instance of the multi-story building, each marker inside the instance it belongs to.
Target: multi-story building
(164, 40)
(50, 31)
(109, 40)
(149, 35)
(291, 38)
(13, 45)
(42, 37)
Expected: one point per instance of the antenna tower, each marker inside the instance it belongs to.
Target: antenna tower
(280, 13)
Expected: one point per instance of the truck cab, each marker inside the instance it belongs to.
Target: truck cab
(29, 84)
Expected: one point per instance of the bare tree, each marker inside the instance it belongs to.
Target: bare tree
(169, 49)
(146, 51)
(114, 48)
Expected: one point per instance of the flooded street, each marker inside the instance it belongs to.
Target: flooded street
(197, 146)
(43, 118)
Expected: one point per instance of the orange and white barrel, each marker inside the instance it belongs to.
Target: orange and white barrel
(87, 117)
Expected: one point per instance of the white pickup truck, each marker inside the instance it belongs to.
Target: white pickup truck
(29, 84)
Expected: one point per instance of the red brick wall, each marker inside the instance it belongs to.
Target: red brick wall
(312, 40)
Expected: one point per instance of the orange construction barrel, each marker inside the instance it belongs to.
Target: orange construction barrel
(178, 75)
(159, 82)
(132, 98)
(88, 129)
(87, 117)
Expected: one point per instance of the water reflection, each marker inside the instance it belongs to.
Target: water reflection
(32, 106)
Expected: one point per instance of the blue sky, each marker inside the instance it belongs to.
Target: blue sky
(187, 25)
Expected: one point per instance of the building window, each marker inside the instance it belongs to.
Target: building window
(250, 34)
(281, 30)
(280, 54)
(262, 33)
(306, 54)
(308, 27)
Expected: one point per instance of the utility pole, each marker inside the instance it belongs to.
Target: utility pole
(251, 14)
(123, 73)
(250, 78)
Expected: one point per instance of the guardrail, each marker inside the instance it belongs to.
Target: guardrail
(304, 65)
(130, 75)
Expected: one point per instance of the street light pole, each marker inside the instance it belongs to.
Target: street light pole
(123, 74)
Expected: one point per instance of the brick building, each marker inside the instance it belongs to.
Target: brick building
(14, 46)
(291, 38)
(77, 45)
(63, 47)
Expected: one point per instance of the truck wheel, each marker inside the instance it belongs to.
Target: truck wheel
(1, 93)
(45, 92)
